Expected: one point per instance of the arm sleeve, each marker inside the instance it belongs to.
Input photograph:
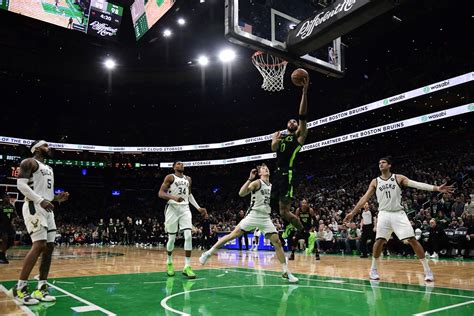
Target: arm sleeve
(193, 202)
(22, 185)
(421, 186)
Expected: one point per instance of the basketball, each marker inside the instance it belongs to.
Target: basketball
(298, 76)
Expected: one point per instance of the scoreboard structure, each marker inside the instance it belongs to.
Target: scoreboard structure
(145, 13)
(95, 17)
(104, 19)
(4, 4)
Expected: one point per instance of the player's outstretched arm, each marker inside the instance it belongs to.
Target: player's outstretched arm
(444, 188)
(163, 193)
(276, 137)
(370, 192)
(302, 131)
(250, 185)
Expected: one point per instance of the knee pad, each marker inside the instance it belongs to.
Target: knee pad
(170, 243)
(188, 240)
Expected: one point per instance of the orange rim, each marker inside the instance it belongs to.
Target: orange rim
(259, 53)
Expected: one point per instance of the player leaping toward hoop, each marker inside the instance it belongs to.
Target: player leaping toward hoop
(392, 216)
(287, 148)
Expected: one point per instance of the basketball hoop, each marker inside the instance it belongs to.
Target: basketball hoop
(271, 68)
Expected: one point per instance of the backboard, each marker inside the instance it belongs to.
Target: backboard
(264, 25)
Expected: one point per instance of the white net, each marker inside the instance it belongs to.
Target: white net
(272, 69)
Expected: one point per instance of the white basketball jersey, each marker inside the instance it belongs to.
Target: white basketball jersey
(180, 188)
(389, 194)
(42, 181)
(260, 199)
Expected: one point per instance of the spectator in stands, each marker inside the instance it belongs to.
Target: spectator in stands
(328, 244)
(468, 207)
(466, 242)
(340, 239)
(441, 220)
(353, 238)
(437, 239)
(458, 207)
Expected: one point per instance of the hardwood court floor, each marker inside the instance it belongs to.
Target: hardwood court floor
(131, 281)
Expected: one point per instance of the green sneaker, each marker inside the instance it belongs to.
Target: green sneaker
(188, 272)
(287, 231)
(170, 269)
(43, 295)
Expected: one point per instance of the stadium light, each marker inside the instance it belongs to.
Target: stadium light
(167, 33)
(109, 64)
(227, 55)
(203, 60)
(181, 21)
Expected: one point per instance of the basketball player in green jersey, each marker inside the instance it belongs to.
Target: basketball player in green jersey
(287, 146)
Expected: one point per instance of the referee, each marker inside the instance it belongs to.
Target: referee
(368, 233)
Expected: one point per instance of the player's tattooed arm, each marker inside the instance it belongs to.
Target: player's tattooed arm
(163, 193)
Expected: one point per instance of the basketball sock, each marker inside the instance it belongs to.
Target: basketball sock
(374, 263)
(41, 283)
(424, 262)
(284, 267)
(187, 261)
(169, 259)
(212, 250)
(21, 284)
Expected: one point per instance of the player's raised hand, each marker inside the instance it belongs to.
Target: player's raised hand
(444, 188)
(253, 174)
(276, 136)
(305, 84)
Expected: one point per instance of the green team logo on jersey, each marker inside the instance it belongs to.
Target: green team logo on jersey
(424, 118)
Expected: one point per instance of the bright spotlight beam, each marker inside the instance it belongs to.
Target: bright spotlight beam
(109, 64)
(227, 55)
(203, 60)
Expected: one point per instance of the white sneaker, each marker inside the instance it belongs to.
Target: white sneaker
(427, 254)
(290, 277)
(22, 296)
(429, 277)
(43, 295)
(204, 257)
(434, 256)
(374, 275)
